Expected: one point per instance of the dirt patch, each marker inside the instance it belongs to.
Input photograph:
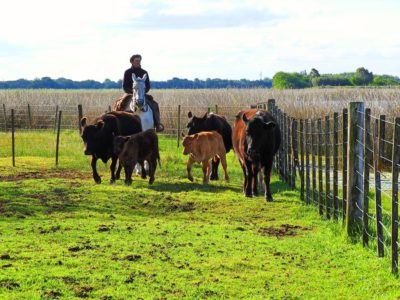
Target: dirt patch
(44, 174)
(285, 230)
(183, 207)
(52, 294)
(82, 291)
(9, 284)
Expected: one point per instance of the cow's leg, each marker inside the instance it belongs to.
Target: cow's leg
(206, 164)
(112, 168)
(189, 169)
(143, 175)
(214, 170)
(128, 173)
(151, 171)
(96, 176)
(249, 174)
(118, 173)
(244, 177)
(267, 178)
(224, 166)
(255, 179)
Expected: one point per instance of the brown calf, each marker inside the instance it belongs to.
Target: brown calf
(136, 149)
(202, 147)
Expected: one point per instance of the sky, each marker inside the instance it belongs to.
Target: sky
(228, 39)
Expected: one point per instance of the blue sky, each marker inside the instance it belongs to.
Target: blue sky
(87, 39)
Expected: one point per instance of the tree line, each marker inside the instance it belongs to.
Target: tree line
(281, 80)
(361, 77)
(174, 83)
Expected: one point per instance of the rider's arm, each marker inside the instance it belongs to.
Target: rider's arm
(127, 83)
(147, 83)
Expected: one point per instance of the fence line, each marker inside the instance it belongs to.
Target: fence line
(364, 156)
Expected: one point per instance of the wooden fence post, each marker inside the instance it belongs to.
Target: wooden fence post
(335, 165)
(307, 139)
(5, 117)
(320, 186)
(271, 105)
(328, 198)
(178, 135)
(344, 162)
(29, 116)
(355, 155)
(284, 147)
(378, 199)
(80, 116)
(313, 162)
(395, 196)
(302, 141)
(13, 137)
(216, 108)
(295, 152)
(55, 118)
(367, 163)
(58, 135)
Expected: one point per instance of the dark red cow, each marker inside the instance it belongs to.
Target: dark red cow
(98, 138)
(256, 138)
(212, 122)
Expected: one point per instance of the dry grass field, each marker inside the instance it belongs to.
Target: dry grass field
(305, 103)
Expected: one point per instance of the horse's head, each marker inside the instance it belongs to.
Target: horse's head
(138, 90)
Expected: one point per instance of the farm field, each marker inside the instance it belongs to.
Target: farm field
(65, 237)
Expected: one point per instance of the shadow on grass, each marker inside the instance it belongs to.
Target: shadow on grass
(191, 186)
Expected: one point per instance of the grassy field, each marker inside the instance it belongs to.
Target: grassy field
(63, 236)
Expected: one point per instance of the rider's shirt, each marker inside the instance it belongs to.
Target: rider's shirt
(128, 82)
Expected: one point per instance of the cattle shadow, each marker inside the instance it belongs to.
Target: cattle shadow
(190, 186)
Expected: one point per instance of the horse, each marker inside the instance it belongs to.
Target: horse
(136, 102)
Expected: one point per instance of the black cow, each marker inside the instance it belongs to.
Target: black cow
(256, 139)
(98, 138)
(210, 122)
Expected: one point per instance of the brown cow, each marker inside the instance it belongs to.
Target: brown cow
(256, 138)
(203, 147)
(136, 149)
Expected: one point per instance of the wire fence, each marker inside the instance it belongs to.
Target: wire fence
(347, 165)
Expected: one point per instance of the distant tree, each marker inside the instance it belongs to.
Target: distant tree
(283, 80)
(331, 80)
(385, 80)
(314, 73)
(362, 77)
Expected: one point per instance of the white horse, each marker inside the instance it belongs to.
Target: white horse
(138, 103)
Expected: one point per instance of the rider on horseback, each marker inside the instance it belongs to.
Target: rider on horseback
(127, 86)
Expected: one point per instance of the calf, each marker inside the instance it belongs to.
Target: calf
(210, 122)
(203, 147)
(136, 149)
(256, 139)
(98, 137)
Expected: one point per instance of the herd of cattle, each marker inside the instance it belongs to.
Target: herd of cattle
(255, 138)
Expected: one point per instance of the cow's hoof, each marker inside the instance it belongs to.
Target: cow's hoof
(190, 178)
(268, 198)
(97, 180)
(112, 181)
(144, 176)
(214, 177)
(128, 182)
(248, 195)
(151, 180)
(117, 177)
(256, 194)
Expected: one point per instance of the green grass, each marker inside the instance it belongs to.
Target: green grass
(63, 236)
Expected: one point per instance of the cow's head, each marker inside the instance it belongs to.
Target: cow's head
(196, 124)
(187, 143)
(257, 135)
(92, 135)
(118, 144)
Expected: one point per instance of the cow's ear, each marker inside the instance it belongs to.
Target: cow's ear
(126, 138)
(196, 135)
(269, 125)
(205, 116)
(190, 114)
(100, 124)
(183, 134)
(83, 121)
(244, 118)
